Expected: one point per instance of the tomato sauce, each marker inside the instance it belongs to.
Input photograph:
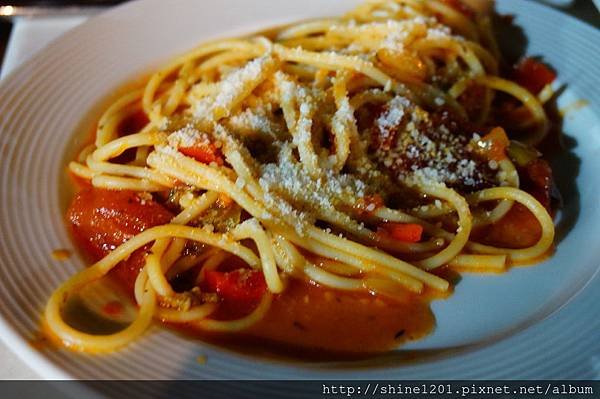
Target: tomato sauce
(310, 321)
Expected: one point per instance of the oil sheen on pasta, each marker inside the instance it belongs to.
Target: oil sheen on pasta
(264, 192)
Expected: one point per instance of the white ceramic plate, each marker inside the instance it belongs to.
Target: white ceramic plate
(539, 322)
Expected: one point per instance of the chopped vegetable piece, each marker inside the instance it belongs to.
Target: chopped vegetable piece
(241, 285)
(519, 228)
(540, 176)
(493, 145)
(203, 152)
(533, 75)
(101, 220)
(406, 232)
(522, 154)
(104, 219)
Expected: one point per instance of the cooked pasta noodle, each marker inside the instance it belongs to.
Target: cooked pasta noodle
(344, 151)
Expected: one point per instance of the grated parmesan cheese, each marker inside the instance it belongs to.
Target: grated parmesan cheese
(310, 196)
(187, 136)
(418, 151)
(231, 87)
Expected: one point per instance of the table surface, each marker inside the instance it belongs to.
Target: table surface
(30, 35)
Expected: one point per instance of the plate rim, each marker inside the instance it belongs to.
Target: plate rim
(8, 332)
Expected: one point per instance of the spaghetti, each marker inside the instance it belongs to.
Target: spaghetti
(361, 153)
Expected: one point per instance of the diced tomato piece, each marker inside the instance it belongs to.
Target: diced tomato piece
(540, 178)
(540, 173)
(405, 232)
(461, 7)
(105, 219)
(519, 228)
(101, 220)
(493, 145)
(204, 152)
(533, 75)
(240, 285)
